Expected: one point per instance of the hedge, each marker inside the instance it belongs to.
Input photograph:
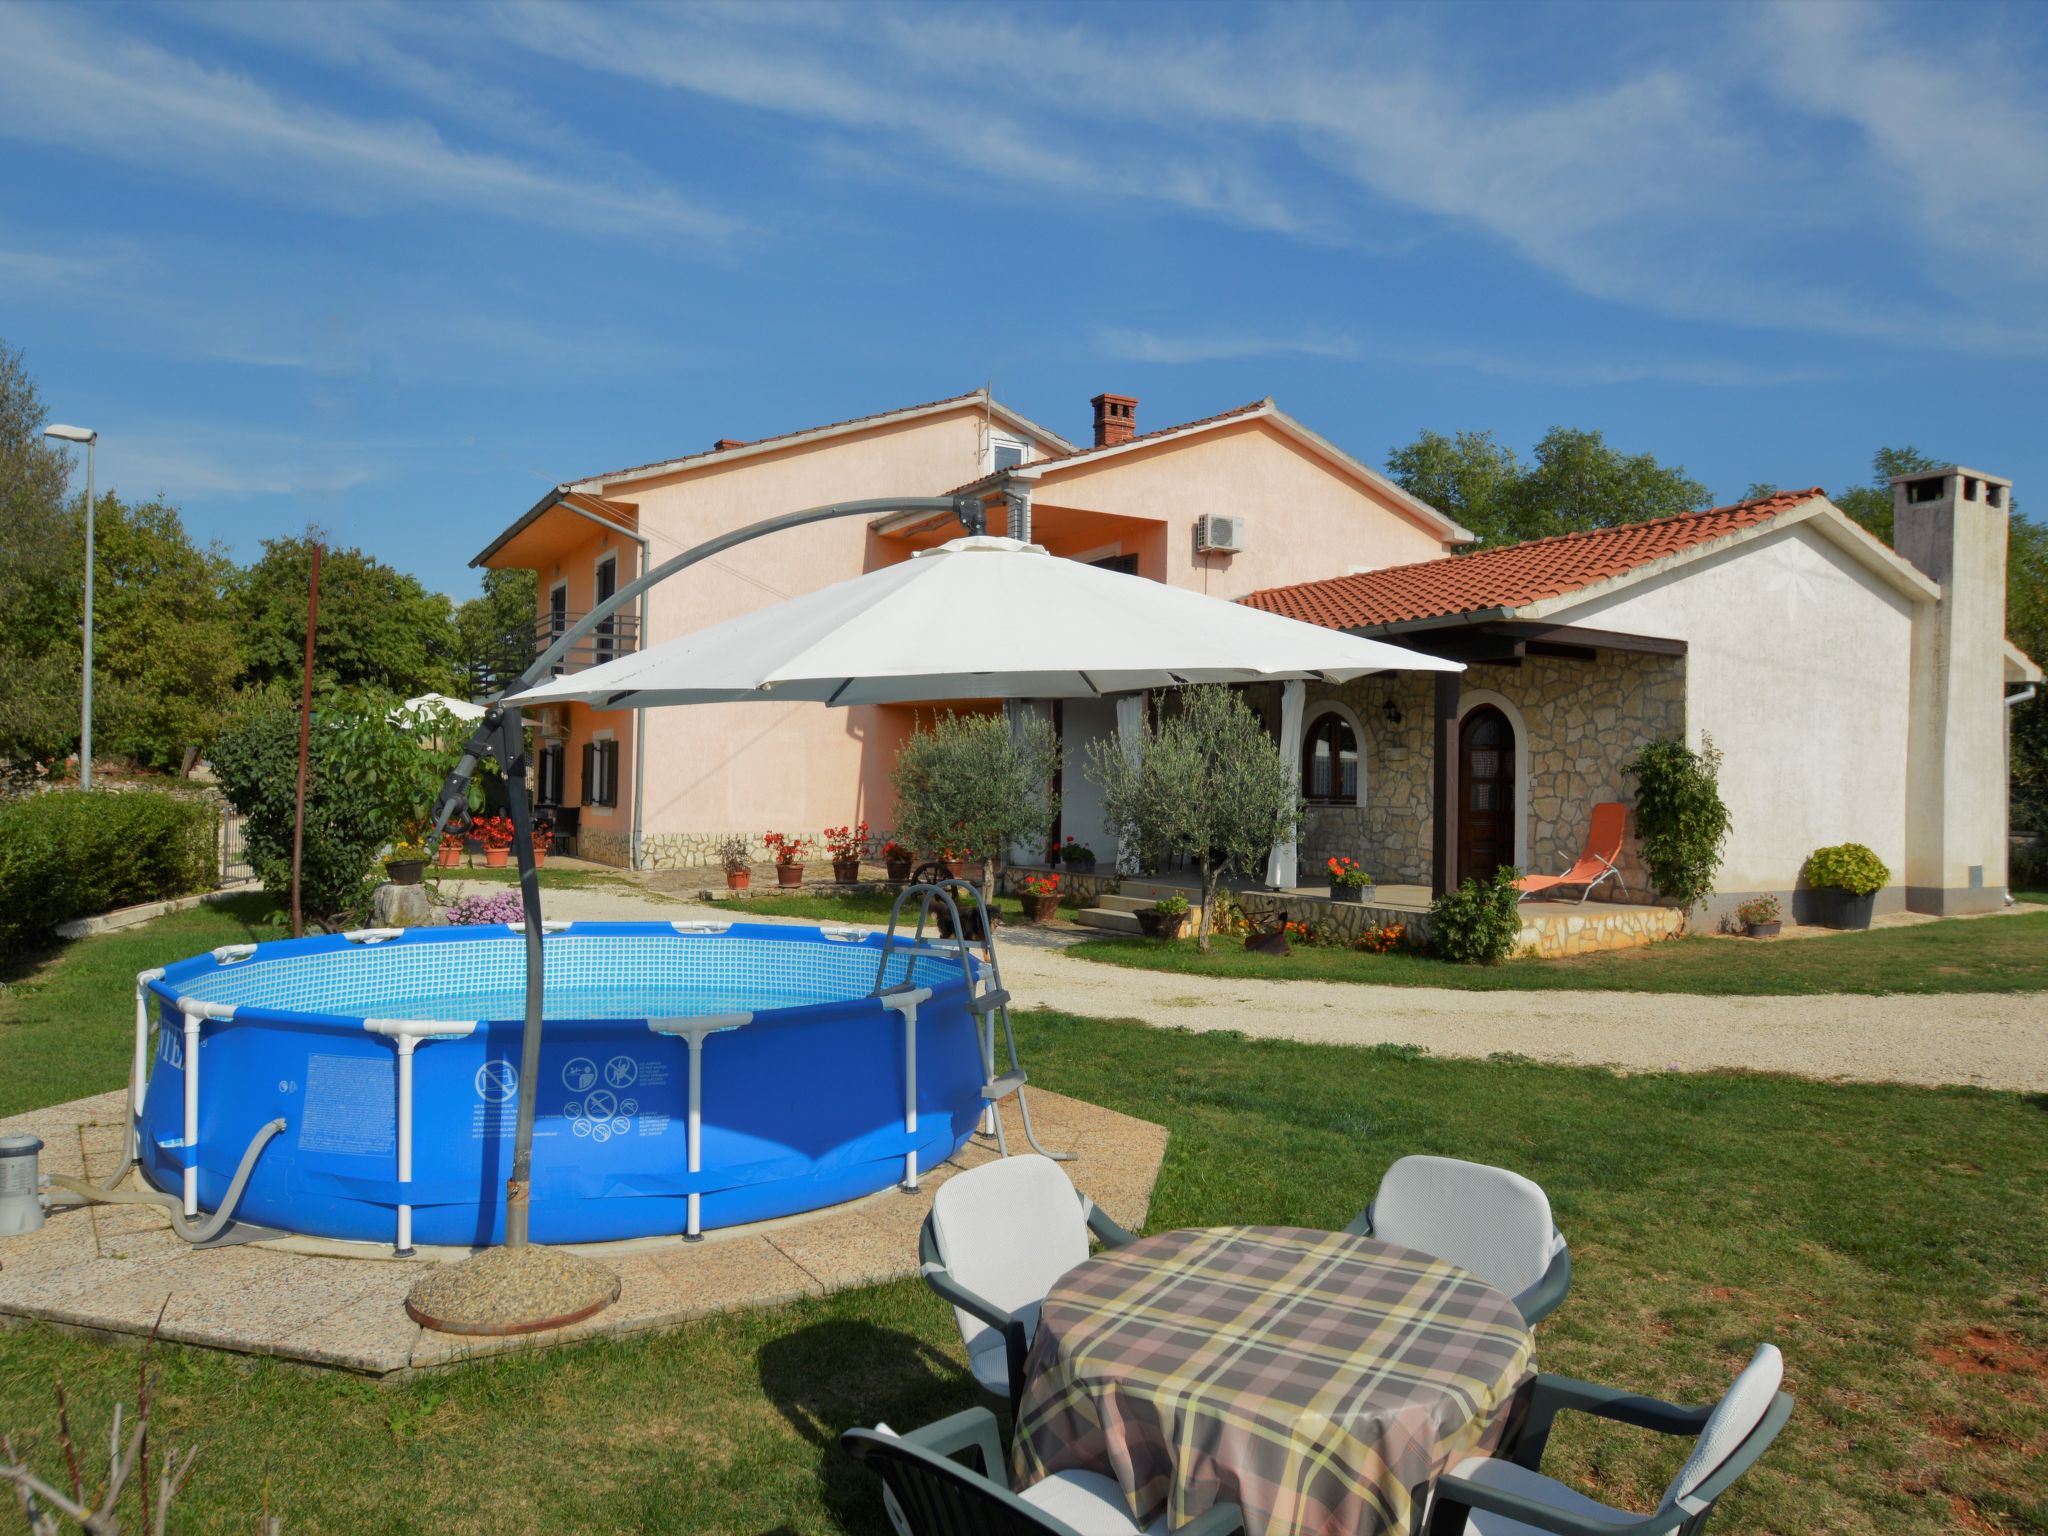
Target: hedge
(75, 852)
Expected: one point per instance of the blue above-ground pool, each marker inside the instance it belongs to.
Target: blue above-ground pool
(819, 1077)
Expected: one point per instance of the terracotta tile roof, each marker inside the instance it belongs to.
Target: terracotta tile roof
(1512, 575)
(726, 444)
(1142, 437)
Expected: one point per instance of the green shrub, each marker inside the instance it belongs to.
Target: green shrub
(1478, 923)
(1847, 867)
(73, 853)
(1681, 821)
(2028, 870)
(364, 778)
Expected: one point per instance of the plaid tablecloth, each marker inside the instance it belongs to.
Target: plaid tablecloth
(1319, 1380)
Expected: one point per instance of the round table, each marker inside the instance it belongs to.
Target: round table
(1319, 1380)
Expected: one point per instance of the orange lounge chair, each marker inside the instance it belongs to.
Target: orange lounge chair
(1600, 861)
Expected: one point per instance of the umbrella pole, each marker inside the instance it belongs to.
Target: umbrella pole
(517, 1288)
(511, 755)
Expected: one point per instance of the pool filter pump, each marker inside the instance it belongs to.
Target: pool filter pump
(21, 1200)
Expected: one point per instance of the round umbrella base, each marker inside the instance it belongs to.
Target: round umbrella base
(512, 1290)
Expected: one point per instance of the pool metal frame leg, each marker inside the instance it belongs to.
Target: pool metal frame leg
(903, 998)
(695, 1031)
(138, 1071)
(407, 1035)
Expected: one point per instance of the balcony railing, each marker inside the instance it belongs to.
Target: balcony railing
(617, 636)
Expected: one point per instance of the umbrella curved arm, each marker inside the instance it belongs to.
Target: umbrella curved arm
(973, 517)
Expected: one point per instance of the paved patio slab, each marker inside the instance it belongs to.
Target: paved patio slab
(110, 1270)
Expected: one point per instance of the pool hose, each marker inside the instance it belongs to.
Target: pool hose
(88, 1193)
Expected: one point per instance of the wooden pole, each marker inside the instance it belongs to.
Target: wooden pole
(305, 740)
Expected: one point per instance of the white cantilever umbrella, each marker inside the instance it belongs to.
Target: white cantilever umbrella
(946, 623)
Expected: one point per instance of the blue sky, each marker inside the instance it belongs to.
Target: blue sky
(397, 270)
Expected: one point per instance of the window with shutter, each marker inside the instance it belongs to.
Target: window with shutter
(611, 773)
(590, 784)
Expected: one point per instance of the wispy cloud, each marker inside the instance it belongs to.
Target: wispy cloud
(1706, 372)
(185, 461)
(1684, 179)
(1135, 346)
(1131, 346)
(81, 87)
(825, 68)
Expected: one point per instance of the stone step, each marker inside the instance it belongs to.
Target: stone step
(1152, 890)
(1108, 919)
(1124, 903)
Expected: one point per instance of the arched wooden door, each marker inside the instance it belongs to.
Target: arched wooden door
(1486, 793)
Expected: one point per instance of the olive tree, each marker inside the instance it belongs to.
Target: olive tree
(976, 783)
(1206, 783)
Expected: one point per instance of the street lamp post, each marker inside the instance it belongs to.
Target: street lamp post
(90, 438)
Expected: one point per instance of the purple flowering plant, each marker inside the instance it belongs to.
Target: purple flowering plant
(482, 911)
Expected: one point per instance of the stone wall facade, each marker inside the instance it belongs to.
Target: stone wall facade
(684, 850)
(1549, 931)
(1582, 720)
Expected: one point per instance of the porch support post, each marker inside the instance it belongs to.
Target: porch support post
(1442, 873)
(1281, 868)
(1017, 510)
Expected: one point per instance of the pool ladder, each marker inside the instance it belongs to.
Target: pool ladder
(987, 999)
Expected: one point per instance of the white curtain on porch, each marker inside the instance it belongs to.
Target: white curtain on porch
(1130, 735)
(1023, 716)
(1281, 867)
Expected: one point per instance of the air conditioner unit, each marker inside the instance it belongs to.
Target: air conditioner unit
(1219, 535)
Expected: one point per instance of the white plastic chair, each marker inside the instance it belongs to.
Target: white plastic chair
(997, 1238)
(1508, 1496)
(1487, 1220)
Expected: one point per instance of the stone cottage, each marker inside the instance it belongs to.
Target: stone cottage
(1857, 693)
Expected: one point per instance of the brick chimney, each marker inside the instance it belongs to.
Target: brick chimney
(728, 442)
(1952, 524)
(1116, 419)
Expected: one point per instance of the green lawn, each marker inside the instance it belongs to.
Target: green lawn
(1993, 954)
(1888, 1239)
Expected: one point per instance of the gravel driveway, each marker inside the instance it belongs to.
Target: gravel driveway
(1991, 1040)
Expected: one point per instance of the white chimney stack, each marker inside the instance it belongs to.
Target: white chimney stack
(1952, 523)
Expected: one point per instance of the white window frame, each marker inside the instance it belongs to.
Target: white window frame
(1005, 440)
(554, 634)
(610, 735)
(1343, 712)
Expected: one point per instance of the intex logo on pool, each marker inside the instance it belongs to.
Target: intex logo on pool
(497, 1081)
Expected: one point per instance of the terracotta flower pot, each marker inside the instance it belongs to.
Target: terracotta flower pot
(540, 856)
(899, 869)
(449, 856)
(846, 871)
(738, 879)
(1040, 909)
(405, 871)
(494, 858)
(789, 874)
